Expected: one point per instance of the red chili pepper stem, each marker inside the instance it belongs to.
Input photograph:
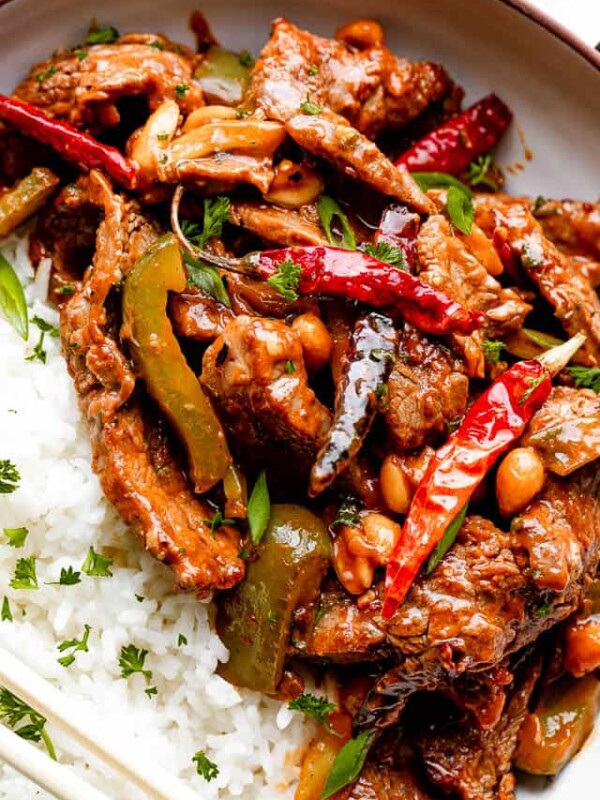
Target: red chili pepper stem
(496, 420)
(70, 143)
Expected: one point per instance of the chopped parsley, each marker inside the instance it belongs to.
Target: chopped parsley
(287, 279)
(132, 660)
(15, 711)
(158, 45)
(216, 214)
(162, 137)
(102, 35)
(218, 520)
(290, 367)
(543, 610)
(386, 252)
(151, 690)
(181, 89)
(81, 54)
(492, 350)
(44, 76)
(74, 645)
(46, 327)
(25, 575)
(272, 616)
(318, 708)
(347, 513)
(139, 598)
(308, 107)
(16, 536)
(67, 290)
(97, 565)
(531, 256)
(479, 172)
(9, 477)
(181, 640)
(68, 577)
(204, 766)
(39, 354)
(6, 613)
(538, 203)
(246, 59)
(586, 377)
(313, 70)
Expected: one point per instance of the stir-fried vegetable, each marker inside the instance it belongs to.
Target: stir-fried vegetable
(492, 424)
(224, 76)
(70, 143)
(559, 725)
(367, 364)
(24, 199)
(254, 620)
(454, 145)
(161, 363)
(12, 299)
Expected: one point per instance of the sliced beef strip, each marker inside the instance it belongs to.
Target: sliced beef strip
(573, 226)
(564, 286)
(86, 90)
(427, 390)
(381, 782)
(259, 400)
(447, 264)
(195, 315)
(137, 469)
(465, 761)
(296, 67)
(278, 225)
(481, 603)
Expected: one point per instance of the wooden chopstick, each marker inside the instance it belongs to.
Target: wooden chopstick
(59, 781)
(108, 746)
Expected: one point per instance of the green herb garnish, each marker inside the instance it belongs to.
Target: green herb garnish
(204, 766)
(68, 577)
(75, 645)
(39, 354)
(308, 107)
(446, 541)
(14, 711)
(586, 377)
(9, 477)
(313, 70)
(348, 763)
(16, 536)
(25, 576)
(492, 350)
(287, 279)
(44, 76)
(12, 299)
(80, 54)
(386, 252)
(218, 520)
(150, 691)
(181, 89)
(181, 640)
(347, 513)
(246, 59)
(478, 172)
(97, 565)
(132, 660)
(6, 613)
(328, 211)
(315, 707)
(102, 35)
(259, 508)
(459, 201)
(289, 367)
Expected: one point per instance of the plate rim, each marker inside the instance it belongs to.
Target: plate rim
(538, 17)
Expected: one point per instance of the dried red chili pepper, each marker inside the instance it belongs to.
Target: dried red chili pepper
(491, 425)
(357, 276)
(70, 143)
(451, 147)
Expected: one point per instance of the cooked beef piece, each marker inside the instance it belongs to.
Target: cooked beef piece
(380, 782)
(368, 85)
(343, 89)
(447, 264)
(256, 376)
(468, 762)
(131, 454)
(65, 232)
(573, 226)
(84, 86)
(565, 287)
(482, 601)
(427, 390)
(195, 315)
(566, 430)
(278, 225)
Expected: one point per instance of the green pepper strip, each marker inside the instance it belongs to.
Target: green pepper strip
(24, 199)
(255, 619)
(162, 365)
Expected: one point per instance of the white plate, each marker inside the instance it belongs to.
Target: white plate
(553, 88)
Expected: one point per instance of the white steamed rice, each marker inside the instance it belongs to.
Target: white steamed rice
(256, 742)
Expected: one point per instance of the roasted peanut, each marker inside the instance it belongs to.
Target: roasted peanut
(520, 477)
(394, 484)
(294, 185)
(315, 340)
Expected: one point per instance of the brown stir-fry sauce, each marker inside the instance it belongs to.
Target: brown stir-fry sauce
(326, 371)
